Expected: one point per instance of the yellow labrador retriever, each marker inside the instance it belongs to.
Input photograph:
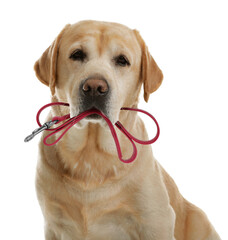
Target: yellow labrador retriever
(85, 192)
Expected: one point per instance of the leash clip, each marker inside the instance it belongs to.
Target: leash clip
(45, 126)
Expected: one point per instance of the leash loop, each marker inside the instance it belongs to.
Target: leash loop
(122, 128)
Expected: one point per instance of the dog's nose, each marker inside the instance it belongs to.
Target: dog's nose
(95, 87)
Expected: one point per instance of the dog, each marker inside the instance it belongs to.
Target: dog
(84, 191)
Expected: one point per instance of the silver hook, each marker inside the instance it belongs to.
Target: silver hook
(45, 126)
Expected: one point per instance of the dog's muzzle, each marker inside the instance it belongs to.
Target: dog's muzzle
(94, 93)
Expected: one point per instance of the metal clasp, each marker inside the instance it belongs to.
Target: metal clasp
(45, 126)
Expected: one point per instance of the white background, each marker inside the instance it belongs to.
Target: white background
(189, 41)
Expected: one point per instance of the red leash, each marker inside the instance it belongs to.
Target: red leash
(71, 121)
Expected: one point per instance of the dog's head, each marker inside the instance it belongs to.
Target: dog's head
(98, 65)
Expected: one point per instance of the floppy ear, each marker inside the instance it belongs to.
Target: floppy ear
(45, 66)
(151, 74)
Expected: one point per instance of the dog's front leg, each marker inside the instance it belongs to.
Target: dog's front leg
(161, 227)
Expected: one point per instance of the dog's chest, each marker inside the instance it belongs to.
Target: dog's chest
(114, 225)
(94, 223)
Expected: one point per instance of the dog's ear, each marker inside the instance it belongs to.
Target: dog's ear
(45, 66)
(151, 74)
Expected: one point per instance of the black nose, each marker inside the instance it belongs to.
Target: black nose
(95, 87)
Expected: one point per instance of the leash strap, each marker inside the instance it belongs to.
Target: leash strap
(72, 121)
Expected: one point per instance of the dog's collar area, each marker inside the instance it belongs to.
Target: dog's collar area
(72, 121)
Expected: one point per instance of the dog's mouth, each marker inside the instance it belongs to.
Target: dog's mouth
(93, 116)
(100, 106)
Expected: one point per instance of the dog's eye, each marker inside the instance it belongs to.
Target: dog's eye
(122, 61)
(78, 55)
